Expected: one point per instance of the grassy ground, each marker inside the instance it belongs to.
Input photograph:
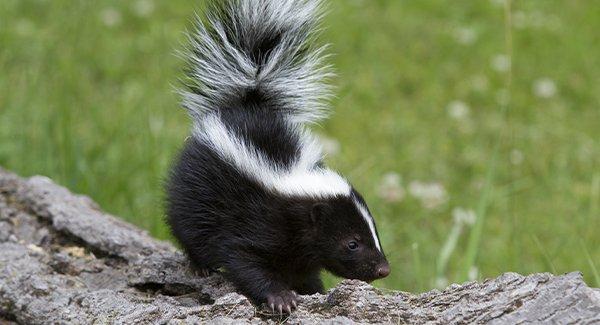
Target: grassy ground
(472, 165)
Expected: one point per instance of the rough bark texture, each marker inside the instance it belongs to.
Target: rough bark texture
(62, 260)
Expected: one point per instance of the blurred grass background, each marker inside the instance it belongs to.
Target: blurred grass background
(476, 159)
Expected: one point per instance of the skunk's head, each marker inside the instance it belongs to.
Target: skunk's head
(347, 237)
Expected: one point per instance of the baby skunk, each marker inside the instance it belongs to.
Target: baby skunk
(250, 193)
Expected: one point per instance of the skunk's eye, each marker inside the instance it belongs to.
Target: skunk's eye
(352, 245)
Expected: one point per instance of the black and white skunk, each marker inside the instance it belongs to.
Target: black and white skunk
(250, 193)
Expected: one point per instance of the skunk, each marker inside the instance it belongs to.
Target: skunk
(249, 192)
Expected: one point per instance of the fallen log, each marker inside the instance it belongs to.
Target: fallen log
(63, 260)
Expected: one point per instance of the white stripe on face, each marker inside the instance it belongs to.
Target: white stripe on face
(367, 217)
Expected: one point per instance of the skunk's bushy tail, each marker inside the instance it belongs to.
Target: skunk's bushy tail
(258, 51)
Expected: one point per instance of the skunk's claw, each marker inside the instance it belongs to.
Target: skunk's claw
(286, 301)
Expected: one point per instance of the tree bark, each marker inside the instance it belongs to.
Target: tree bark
(63, 260)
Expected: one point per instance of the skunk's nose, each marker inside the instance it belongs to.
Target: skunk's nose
(383, 270)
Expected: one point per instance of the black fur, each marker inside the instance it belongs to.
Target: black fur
(269, 244)
(266, 243)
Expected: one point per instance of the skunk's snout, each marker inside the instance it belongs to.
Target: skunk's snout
(382, 270)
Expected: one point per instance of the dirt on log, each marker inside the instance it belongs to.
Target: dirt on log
(63, 260)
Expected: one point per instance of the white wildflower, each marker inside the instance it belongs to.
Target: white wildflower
(465, 35)
(156, 124)
(441, 282)
(143, 8)
(499, 3)
(331, 146)
(536, 20)
(544, 88)
(479, 83)
(516, 157)
(24, 27)
(553, 23)
(431, 195)
(519, 19)
(463, 216)
(460, 218)
(390, 189)
(473, 273)
(449, 247)
(501, 62)
(458, 110)
(110, 17)
(587, 150)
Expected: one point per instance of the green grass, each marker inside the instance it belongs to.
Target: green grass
(87, 98)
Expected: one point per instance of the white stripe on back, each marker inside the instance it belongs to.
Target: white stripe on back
(302, 178)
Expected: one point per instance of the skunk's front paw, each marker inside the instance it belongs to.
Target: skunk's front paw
(203, 272)
(283, 301)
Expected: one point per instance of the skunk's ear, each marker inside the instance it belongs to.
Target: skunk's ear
(319, 211)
